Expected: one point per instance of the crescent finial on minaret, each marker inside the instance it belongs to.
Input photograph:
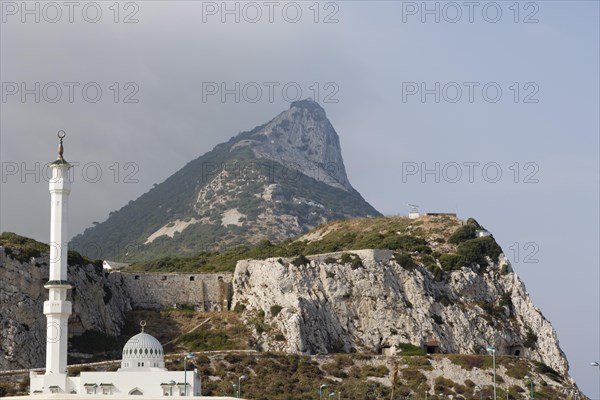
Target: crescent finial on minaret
(61, 135)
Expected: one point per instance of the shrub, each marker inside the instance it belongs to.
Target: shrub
(371, 240)
(530, 339)
(207, 340)
(466, 361)
(332, 368)
(409, 349)
(260, 326)
(443, 300)
(443, 385)
(515, 388)
(347, 258)
(412, 243)
(421, 363)
(548, 371)
(356, 263)
(279, 337)
(353, 259)
(474, 251)
(330, 260)
(300, 260)
(414, 377)
(462, 234)
(469, 383)
(517, 371)
(428, 261)
(506, 300)
(437, 272)
(379, 372)
(472, 221)
(404, 260)
(239, 307)
(275, 309)
(451, 261)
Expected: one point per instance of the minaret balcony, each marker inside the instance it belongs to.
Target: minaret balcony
(58, 284)
(57, 307)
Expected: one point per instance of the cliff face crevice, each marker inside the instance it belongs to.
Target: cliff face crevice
(324, 307)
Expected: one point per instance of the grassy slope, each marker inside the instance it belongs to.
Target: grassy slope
(424, 240)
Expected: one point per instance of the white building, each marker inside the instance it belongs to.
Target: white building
(142, 372)
(482, 233)
(142, 369)
(113, 265)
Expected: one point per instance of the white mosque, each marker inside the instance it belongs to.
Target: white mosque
(142, 371)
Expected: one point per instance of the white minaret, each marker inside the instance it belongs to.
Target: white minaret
(57, 309)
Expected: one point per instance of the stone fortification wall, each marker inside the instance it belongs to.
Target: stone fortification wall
(152, 290)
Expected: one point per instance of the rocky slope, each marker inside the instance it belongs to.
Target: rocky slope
(436, 283)
(278, 180)
(97, 305)
(329, 306)
(374, 299)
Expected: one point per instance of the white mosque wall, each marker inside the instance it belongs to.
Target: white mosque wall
(147, 383)
(119, 383)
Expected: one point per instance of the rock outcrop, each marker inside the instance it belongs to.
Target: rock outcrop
(329, 306)
(100, 301)
(98, 304)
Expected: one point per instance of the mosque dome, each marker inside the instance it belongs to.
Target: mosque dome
(143, 352)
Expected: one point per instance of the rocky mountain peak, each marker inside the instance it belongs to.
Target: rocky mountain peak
(302, 139)
(275, 181)
(310, 105)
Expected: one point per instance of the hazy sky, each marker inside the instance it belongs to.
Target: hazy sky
(496, 102)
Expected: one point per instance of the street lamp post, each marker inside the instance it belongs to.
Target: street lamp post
(234, 390)
(171, 383)
(189, 355)
(492, 350)
(323, 386)
(244, 376)
(331, 394)
(478, 388)
(530, 379)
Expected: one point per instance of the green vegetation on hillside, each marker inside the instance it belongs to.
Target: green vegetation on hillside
(414, 241)
(473, 251)
(277, 376)
(22, 248)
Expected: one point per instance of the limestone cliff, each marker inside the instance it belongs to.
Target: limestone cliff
(98, 304)
(327, 305)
